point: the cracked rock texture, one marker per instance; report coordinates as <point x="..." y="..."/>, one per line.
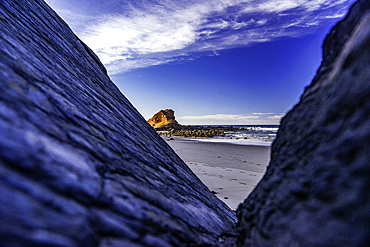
<point x="316" y="189"/>
<point x="79" y="166"/>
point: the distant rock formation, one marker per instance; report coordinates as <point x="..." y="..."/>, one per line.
<point x="79" y="166"/>
<point x="316" y="189"/>
<point x="164" y="119"/>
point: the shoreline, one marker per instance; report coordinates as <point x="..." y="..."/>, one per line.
<point x="246" y="132"/>
<point x="231" y="171"/>
<point x="236" y="141"/>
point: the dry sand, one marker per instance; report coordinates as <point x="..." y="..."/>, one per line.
<point x="231" y="171"/>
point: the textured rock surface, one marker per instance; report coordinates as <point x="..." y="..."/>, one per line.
<point x="316" y="189"/>
<point x="164" y="119"/>
<point x="78" y="165"/>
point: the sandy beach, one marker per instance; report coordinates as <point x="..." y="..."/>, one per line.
<point x="230" y="170"/>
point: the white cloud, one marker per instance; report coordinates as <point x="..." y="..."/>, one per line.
<point x="277" y="117"/>
<point x="278" y="6"/>
<point x="142" y="35"/>
<point x="261" y="22"/>
<point x="224" y="119"/>
<point x="335" y="16"/>
<point x="219" y="117"/>
<point x="271" y="6"/>
<point x="151" y="33"/>
<point x="262" y="113"/>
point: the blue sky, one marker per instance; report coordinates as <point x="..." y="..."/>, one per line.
<point x="212" y="61"/>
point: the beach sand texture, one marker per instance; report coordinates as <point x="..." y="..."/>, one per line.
<point x="231" y="171"/>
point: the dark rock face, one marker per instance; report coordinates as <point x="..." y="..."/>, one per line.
<point x="79" y="166"/>
<point x="316" y="188"/>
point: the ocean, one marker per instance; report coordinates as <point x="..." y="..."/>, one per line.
<point x="260" y="135"/>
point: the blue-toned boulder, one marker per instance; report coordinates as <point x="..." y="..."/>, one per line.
<point x="316" y="189"/>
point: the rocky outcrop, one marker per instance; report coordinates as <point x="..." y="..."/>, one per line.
<point x="316" y="189"/>
<point x="79" y="166"/>
<point x="164" y="119"/>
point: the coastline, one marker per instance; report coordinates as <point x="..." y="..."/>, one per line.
<point x="235" y="141"/>
<point x="229" y="170"/>
<point x="225" y="132"/>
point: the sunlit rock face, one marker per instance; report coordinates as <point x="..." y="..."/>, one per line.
<point x="316" y="188"/>
<point x="164" y="119"/>
<point x="79" y="166"/>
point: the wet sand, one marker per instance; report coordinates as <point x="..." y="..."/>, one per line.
<point x="231" y="171"/>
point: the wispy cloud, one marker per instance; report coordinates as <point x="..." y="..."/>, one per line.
<point x="223" y="119"/>
<point x="145" y="33"/>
